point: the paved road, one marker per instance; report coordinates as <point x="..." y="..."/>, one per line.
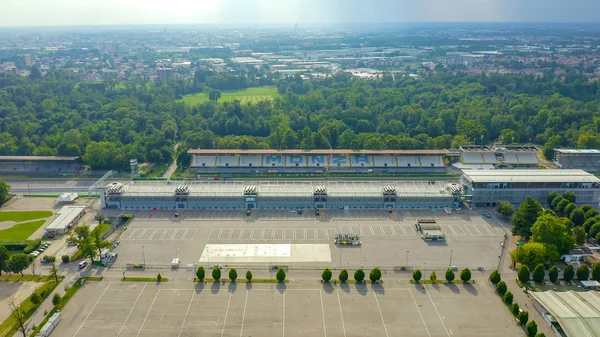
<point x="173" y="165"/>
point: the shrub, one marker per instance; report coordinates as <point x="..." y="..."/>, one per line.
<point x="596" y="271"/>
<point x="449" y="275"/>
<point x="33" y="245"/>
<point x="523" y="274"/>
<point x="249" y="276"/>
<point x="158" y="277"/>
<point x="465" y="275"/>
<point x="523" y="317"/>
<point x="280" y="275"/>
<point x="514" y="308"/>
<point x="501" y="288"/>
<point x="200" y="274"/>
<point x="432" y="276"/>
<point x="216" y="273"/>
<point x="531" y="329"/>
<point x="375" y="275"/>
<point x="326" y="275"/>
<point x="35" y="299"/>
<point x="49" y="258"/>
<point x="359" y="275"/>
<point x="583" y="272"/>
<point x="417" y="275"/>
<point x="508" y="298"/>
<point x="569" y="273"/>
<point x="233" y="274"/>
<point x="56" y="299"/>
<point x="495" y="277"/>
<point x="538" y="273"/>
<point x="553" y="274"/>
<point x="541" y="334"/>
<point x="343" y="276"/>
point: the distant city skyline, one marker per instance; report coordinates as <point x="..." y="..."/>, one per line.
<point x="143" y="12"/>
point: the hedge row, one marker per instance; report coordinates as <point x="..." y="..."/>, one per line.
<point x="27" y="246"/>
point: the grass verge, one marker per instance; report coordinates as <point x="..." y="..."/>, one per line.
<point x="21" y="231"/>
<point x="25" y="278"/>
<point x="243" y="280"/>
<point x="143" y="279"/>
<point x="24" y="216"/>
<point x="442" y="282"/>
<point x="63" y="302"/>
<point x="9" y="326"/>
<point x="93" y="278"/>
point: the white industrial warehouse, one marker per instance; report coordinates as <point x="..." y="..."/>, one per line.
<point x="66" y="218"/>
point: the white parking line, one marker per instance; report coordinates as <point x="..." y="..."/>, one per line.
<point x="244" y="314"/>
<point x="461" y="230"/>
<point x="151" y="236"/>
<point x="95" y="304"/>
<point x="230" y="234"/>
<point x="419" y="311"/>
<point x="186" y="314"/>
<point x="130" y="311"/>
<point x="193" y="236"/>
<point x="381" y="314"/>
<point x="184" y="234"/>
<point x="175" y="232"/>
<point x="226" y="312"/>
<point x="322" y="313"/>
<point x="438" y="313"/>
<point x="487" y="230"/>
<point x="341" y="314"/>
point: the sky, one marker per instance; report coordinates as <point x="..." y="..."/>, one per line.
<point x="137" y="12"/>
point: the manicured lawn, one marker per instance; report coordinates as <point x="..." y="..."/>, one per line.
<point x="103" y="228"/>
<point x="24" y="216"/>
<point x="20" y="231"/>
<point x="253" y="95"/>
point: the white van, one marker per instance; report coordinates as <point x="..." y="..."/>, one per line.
<point x="82" y="264"/>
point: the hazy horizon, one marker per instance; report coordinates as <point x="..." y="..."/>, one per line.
<point x="27" y="13"/>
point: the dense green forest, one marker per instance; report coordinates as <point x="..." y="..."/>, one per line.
<point x="110" y="122"/>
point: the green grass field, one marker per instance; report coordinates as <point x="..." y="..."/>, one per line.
<point x="24" y="216"/>
<point x="20" y="231"/>
<point x="252" y="95"/>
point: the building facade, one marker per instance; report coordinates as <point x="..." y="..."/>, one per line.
<point x="486" y="187"/>
<point x="279" y="195"/>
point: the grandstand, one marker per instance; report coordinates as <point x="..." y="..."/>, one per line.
<point x="39" y="165"/>
<point x="317" y="161"/>
<point x="476" y="157"/>
<point x="584" y="159"/>
<point x="280" y="195"/>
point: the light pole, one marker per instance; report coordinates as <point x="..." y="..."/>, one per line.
<point x="406" y="264"/>
<point x="144" y="257"/>
<point x="450" y="264"/>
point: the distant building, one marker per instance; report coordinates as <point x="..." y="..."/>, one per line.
<point x="28" y="60"/>
<point x="164" y="74"/>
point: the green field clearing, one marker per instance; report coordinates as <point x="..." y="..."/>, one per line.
<point x="24" y="216"/>
<point x="20" y="231"/>
<point x="252" y="95"/>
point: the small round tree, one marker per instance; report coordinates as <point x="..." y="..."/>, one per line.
<point x="553" y="274"/>
<point x="523" y="274"/>
<point x="216" y="273"/>
<point x="596" y="271"/>
<point x="326" y="275"/>
<point x="359" y="275"/>
<point x="65" y="258"/>
<point x="569" y="273"/>
<point x="495" y="277"/>
<point x="200" y="274"/>
<point x="56" y="299"/>
<point x="523" y="317"/>
<point x="233" y="274"/>
<point x="158" y="277"/>
<point x="501" y="288"/>
<point x="375" y="275"/>
<point x="541" y="334"/>
<point x="35" y="298"/>
<point x="514" y="308"/>
<point x="249" y="276"/>
<point x="508" y="298"/>
<point x="417" y="275"/>
<point x="531" y="329"/>
<point x="583" y="272"/>
<point x="280" y="275"/>
<point x="538" y="273"/>
<point x="449" y="275"/>
<point x="343" y="276"/>
<point x="465" y="275"/>
<point x="433" y="277"/>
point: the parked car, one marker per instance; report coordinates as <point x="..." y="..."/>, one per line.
<point x="48" y="236"/>
<point x="82" y="264"/>
<point x="42" y="249"/>
<point x="34" y="254"/>
<point x="177" y="214"/>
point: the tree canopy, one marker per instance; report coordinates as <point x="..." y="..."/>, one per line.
<point x="550" y="230"/>
<point x="525" y="217"/>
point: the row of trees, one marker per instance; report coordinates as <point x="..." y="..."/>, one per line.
<point x="233" y="275"/>
<point x="15" y="263"/>
<point x="507" y="297"/>
<point x="465" y="275"/>
<point x="583" y="273"/>
<point x="110" y="122"/>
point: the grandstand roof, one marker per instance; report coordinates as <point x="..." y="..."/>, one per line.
<point x="577" y="151"/>
<point x="531" y="175"/>
<point x="578" y="313"/>
<point x="314" y="152"/>
<point x="287" y="188"/>
<point x="37" y="158"/>
<point x="499" y="147"/>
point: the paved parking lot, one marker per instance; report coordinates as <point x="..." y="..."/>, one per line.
<point x="183" y="309"/>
